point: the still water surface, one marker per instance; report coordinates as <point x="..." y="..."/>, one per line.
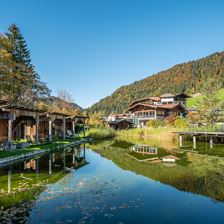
<point x="105" y="185"/>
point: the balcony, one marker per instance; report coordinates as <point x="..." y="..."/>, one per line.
<point x="148" y="117"/>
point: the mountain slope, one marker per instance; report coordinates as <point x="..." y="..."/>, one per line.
<point x="188" y="77"/>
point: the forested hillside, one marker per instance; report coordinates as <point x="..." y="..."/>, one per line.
<point x="190" y="77"/>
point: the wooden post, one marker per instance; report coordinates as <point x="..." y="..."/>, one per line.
<point x="25" y="131"/>
<point x="64" y="161"/>
<point x="84" y="153"/>
<point x="155" y="114"/>
<point x="64" y="128"/>
<point x="20" y="130"/>
<point x="194" y="142"/>
<point x="37" y="168"/>
<point x="50" y="130"/>
<point x="84" y="130"/>
<point x="73" y="156"/>
<point x="10" y="130"/>
<point x="50" y="164"/>
<point x="73" y="128"/>
<point x="9" y="179"/>
<point x="37" y="129"/>
<point x="211" y="143"/>
<point x="180" y="141"/>
<point x="53" y="157"/>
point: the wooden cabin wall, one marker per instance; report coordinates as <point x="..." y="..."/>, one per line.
<point x="32" y="130"/>
<point x="3" y="130"/>
<point x="43" y="129"/>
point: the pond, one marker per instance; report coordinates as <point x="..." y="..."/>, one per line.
<point x="114" y="181"/>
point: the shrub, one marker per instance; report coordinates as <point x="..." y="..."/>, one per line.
<point x="155" y="123"/>
<point x="170" y="121"/>
<point x="180" y="123"/>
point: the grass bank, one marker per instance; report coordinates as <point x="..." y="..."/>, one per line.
<point x="101" y="133"/>
<point x="34" y="147"/>
<point x="161" y="133"/>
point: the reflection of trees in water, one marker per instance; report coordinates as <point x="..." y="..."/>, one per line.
<point x="24" y="180"/>
<point x="159" y="142"/>
<point x="201" y="176"/>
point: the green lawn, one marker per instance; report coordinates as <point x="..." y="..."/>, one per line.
<point x="34" y="147"/>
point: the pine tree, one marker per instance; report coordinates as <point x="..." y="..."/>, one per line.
<point x="18" y="48"/>
<point x="28" y="88"/>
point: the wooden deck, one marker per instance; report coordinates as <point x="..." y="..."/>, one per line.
<point x="198" y="133"/>
<point x="195" y="134"/>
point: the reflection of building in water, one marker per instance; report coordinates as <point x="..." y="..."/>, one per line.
<point x="144" y="149"/>
<point x="71" y="158"/>
<point x="170" y="159"/>
<point x="30" y="165"/>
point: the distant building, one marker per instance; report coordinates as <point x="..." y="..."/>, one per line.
<point x="116" y="117"/>
<point x="122" y="124"/>
<point x="150" y="108"/>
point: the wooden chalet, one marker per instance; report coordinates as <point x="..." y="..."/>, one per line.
<point x="161" y="107"/>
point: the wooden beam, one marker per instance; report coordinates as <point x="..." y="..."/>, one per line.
<point x="37" y="129"/>
<point x="50" y="130"/>
<point x="73" y="128"/>
<point x="180" y="141"/>
<point x="64" y="128"/>
<point x="84" y="130"/>
<point x="9" y="179"/>
<point x="211" y="143"/>
<point x="10" y="129"/>
<point x="50" y="164"/>
<point x="194" y="142"/>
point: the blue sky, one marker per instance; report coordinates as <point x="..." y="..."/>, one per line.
<point x="92" y="47"/>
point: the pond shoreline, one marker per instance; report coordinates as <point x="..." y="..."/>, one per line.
<point x="7" y="160"/>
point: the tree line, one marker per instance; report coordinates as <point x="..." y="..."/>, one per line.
<point x="190" y="77"/>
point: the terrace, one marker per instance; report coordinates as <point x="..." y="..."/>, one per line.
<point x="24" y="129"/>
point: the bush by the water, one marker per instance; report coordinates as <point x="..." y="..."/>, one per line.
<point x="156" y="123"/>
<point x="101" y="133"/>
<point x="180" y="123"/>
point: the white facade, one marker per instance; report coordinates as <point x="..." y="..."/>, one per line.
<point x="166" y="100"/>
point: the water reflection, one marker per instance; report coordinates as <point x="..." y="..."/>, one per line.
<point x="144" y="149"/>
<point x="115" y="186"/>
<point x="184" y="170"/>
<point x="29" y="175"/>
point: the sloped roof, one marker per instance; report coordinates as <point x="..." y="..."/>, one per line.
<point x="162" y="106"/>
<point x="153" y="98"/>
<point x="7" y="105"/>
